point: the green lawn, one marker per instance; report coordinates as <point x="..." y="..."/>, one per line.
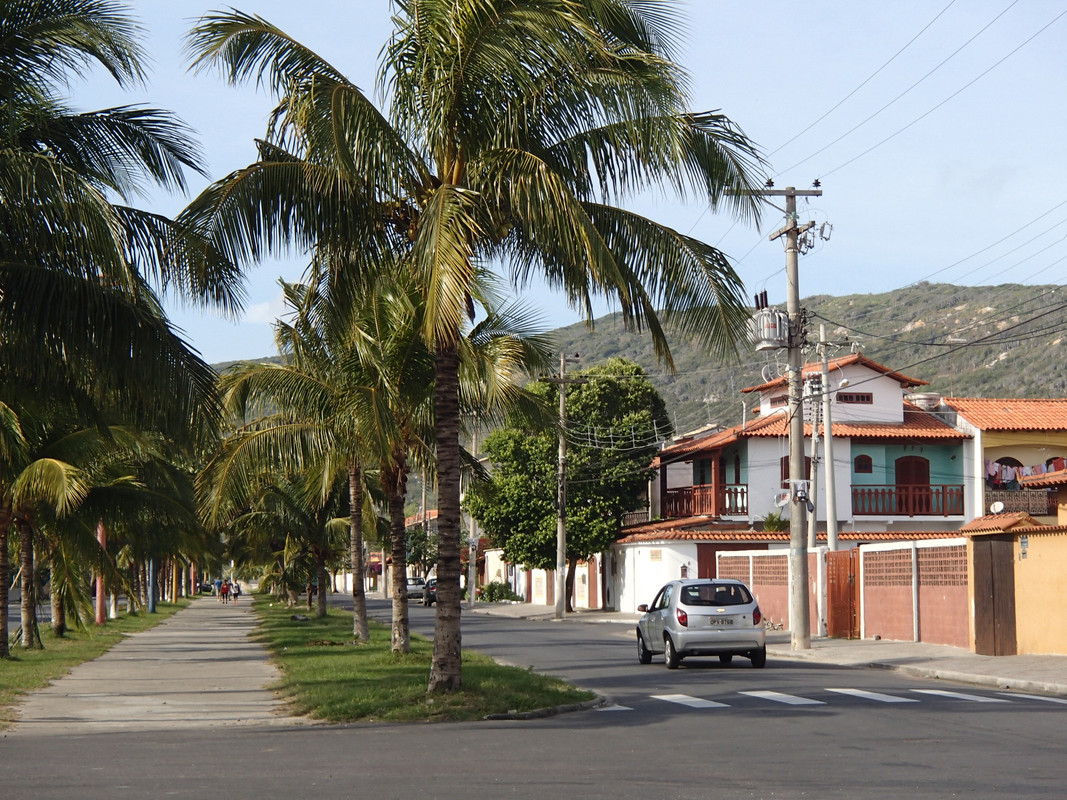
<point x="27" y="670"/>
<point x="328" y="676"/>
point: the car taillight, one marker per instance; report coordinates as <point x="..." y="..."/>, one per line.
<point x="683" y="618"/>
<point x="757" y="617"/>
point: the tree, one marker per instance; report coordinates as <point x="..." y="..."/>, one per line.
<point x="514" y="128"/>
<point x="615" y="422"/>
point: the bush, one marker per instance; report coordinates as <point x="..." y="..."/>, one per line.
<point x="497" y="591"/>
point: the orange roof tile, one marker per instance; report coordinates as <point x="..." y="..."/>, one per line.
<point x="677" y="533"/>
<point x="1045" y="481"/>
<point x="1017" y="414"/>
<point x="1016" y="522"/>
<point x="844" y="361"/>
<point x="917" y="425"/>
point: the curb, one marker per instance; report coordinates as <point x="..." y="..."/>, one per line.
<point x="541" y="713"/>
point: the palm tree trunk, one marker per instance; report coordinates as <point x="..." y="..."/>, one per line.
<point x="572" y="567"/>
<point x="395" y="480"/>
<point x="360" y="628"/>
<point x="446" y="666"/>
<point x="5" y="569"/>
<point x="59" y="614"/>
<point x="30" y="637"/>
<point x="322" y="575"/>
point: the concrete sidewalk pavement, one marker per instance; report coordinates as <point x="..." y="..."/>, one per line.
<point x="1042" y="674"/>
<point x="197" y="669"/>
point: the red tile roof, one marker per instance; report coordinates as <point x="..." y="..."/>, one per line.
<point x="681" y="533"/>
<point x="1045" y="481"/>
<point x="844" y="361"/>
<point x="1014" y="522"/>
<point x="1012" y="415"/>
<point x="917" y="425"/>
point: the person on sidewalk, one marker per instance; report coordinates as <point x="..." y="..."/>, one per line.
<point x="225" y="591"/>
<point x="235" y="590"/>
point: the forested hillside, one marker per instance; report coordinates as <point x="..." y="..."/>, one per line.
<point x="967" y="341"/>
<point x="986" y="341"/>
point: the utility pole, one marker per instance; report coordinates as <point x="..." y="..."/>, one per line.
<point x="799" y="611"/>
<point x="828" y="448"/>
<point x="561" y="484"/>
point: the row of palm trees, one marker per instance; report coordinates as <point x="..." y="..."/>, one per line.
<point x="505" y="135"/>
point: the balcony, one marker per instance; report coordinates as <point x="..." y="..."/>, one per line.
<point x="907" y="501"/>
<point x="1035" y="502"/>
<point x="689" y="501"/>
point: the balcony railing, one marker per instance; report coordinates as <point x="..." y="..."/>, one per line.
<point x="635" y="517"/>
<point x="688" y="501"/>
<point x="907" y="501"/>
<point x="1035" y="502"/>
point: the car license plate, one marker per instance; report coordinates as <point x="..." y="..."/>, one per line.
<point x="720" y="621"/>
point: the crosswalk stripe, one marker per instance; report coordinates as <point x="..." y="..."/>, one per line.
<point x="961" y="696"/>
<point x="876" y="696"/>
<point x="1045" y="698"/>
<point x="788" y="699"/>
<point x="614" y="707"/>
<point x="686" y="700"/>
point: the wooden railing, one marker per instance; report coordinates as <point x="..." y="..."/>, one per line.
<point x="689" y="501"/>
<point x="907" y="501"/>
<point x="1035" y="502"/>
<point x="635" y="517"/>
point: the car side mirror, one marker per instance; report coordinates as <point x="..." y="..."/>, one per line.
<point x="643" y="608"/>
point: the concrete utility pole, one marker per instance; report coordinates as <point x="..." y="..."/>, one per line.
<point x="799" y="611"/>
<point x="828" y="448"/>
<point x="561" y="484"/>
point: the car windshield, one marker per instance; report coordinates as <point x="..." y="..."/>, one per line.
<point x="707" y="594"/>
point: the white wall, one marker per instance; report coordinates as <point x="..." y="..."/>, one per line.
<point x="643" y="568"/>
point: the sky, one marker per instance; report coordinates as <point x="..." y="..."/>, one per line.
<point x="936" y="130"/>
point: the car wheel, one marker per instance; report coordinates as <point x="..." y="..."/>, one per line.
<point x="670" y="654"/>
<point x="644" y="655"/>
<point x="726" y="658"/>
<point x="759" y="657"/>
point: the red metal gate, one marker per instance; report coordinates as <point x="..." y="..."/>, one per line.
<point x="842" y="594"/>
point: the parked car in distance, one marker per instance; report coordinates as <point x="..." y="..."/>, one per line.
<point x="415" y="587"/>
<point x="429" y="592"/>
<point x="702" y="617"/>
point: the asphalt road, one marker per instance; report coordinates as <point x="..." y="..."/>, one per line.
<point x="730" y="738"/>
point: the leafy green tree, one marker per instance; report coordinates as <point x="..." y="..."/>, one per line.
<point x="515" y="128"/>
<point x="615" y="422"/>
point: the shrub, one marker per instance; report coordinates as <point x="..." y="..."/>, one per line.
<point x="497" y="591"/>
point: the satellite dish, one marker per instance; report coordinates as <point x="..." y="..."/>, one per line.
<point x="781" y="499"/>
<point x="996" y="508"/>
<point x="768" y="373"/>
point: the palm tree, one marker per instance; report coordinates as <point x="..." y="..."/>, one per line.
<point x="75" y="260"/>
<point x="515" y="128"/>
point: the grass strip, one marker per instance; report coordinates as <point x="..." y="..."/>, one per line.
<point x="328" y="676"/>
<point x="26" y="670"/>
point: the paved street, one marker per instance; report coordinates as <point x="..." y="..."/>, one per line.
<point x="799" y="728"/>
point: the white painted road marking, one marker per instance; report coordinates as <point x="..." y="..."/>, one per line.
<point x="1036" y="697"/>
<point x="686" y="700"/>
<point x="876" y="696"/>
<point x="788" y="699"/>
<point x="961" y="696"/>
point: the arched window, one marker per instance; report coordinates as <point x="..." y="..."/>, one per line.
<point x="863" y="465"/>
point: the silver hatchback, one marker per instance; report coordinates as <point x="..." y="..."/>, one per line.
<point x="702" y="617"/>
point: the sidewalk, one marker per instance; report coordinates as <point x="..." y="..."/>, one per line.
<point x="196" y="670"/>
<point x="1033" y="674"/>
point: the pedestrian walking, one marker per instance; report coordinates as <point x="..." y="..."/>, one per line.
<point x="218" y="589"/>
<point x="235" y="590"/>
<point x="226" y="591"/>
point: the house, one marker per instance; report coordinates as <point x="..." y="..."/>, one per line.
<point x="909" y="466"/>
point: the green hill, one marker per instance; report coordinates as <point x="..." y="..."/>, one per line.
<point x="984" y="341"/>
<point x="977" y="341"/>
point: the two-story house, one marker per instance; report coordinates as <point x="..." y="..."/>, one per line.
<point x="907" y="464"/>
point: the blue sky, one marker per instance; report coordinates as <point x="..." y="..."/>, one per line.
<point x="935" y="128"/>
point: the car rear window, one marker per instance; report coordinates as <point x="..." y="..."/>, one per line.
<point x="729" y="594"/>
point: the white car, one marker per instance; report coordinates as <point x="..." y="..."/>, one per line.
<point x="702" y="617"/>
<point x="415" y="587"/>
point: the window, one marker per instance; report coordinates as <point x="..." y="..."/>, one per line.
<point x="780" y="401"/>
<point x="856" y="398"/>
<point x="863" y="465"/>
<point x="785" y="470"/>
